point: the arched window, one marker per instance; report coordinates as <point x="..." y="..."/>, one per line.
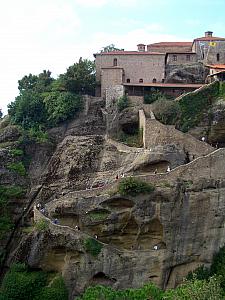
<point x="218" y="57"/>
<point x="140" y="80"/>
<point x="115" y="62"/>
<point x="128" y="80"/>
<point x="154" y="80"/>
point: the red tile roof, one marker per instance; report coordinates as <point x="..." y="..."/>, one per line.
<point x="129" y="53"/>
<point x="171" y="44"/>
<point x="172" y="85"/>
<point x="209" y="38"/>
<point x="216" y="66"/>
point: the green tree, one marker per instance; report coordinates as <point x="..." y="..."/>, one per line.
<point x="79" y="78"/>
<point x="38" y="83"/>
<point x="28" y="109"/>
<point x="61" y="106"/>
<point x="110" y="48"/>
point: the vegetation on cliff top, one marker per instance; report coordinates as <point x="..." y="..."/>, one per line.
<point x="188" y="112"/>
<point x="45" y="102"/>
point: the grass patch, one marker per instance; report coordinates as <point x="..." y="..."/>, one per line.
<point x="92" y="246"/>
<point x="134" y="140"/>
<point x="42" y="225"/>
<point x="16" y="152"/>
<point x="98" y="215"/>
<point x="17" y="167"/>
<point x="133" y="186"/>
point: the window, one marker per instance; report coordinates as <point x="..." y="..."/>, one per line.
<point x="174" y="57"/>
<point x="218" y="57"/>
<point x="154" y="80"/>
<point x="188" y="57"/>
<point x="128" y="80"/>
<point x="163" y="80"/>
<point x="115" y="62"/>
<point x="140" y="80"/>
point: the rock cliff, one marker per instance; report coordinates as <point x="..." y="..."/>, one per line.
<point x="159" y="236"/>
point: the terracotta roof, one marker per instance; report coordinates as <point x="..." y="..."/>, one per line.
<point x="171" y="44"/>
<point x="209" y="38"/>
<point x="129" y="53"/>
<point x="181" y="52"/>
<point x="216" y="66"/>
<point x="172" y="85"/>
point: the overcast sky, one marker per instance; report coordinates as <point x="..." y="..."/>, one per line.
<point x="53" y="34"/>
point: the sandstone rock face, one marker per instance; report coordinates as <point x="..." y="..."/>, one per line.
<point x="157" y="237"/>
<point x="194" y="73"/>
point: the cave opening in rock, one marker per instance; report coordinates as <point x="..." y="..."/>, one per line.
<point x="130" y="128"/>
<point x="153" y="167"/>
<point x="118" y="203"/>
<point x="101" y="279"/>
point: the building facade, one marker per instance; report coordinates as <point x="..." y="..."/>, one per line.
<point x="147" y="66"/>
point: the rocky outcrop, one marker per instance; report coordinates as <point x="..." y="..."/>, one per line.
<point x="159" y="236"/>
<point x="193" y="73"/>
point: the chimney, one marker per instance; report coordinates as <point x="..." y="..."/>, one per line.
<point x="141" y="47"/>
<point x="208" y="34"/>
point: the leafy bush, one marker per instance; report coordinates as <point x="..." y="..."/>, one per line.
<point x="16" y="152"/>
<point x="10" y="192"/>
<point x="194" y="105"/>
<point x="18" y="167"/>
<point x="55" y="291"/>
<point x="5" y="225"/>
<point x="196" y="289"/>
<point x="166" y="111"/>
<point x="92" y="246"/>
<point x="200" y="273"/>
<point x="62" y="106"/>
<point x="149" y="291"/>
<point x="122" y="102"/>
<point x="6" y="193"/>
<point x="218" y="266"/>
<point x="154" y="96"/>
<point x="132" y="186"/>
<point x="42" y="225"/>
<point x="21" y="283"/>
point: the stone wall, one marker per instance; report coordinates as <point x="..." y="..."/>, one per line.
<point x="112" y="94"/>
<point x="158" y="47"/>
<point x="210" y="52"/>
<point x="136" y="66"/>
<point x="181" y="58"/>
<point x="156" y="133"/>
<point x="110" y="77"/>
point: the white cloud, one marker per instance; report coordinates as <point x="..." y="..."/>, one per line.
<point x="147" y="34"/>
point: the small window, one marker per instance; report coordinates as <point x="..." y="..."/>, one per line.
<point x="188" y="57"/>
<point x="174" y="57"/>
<point x="140" y="80"/>
<point x="163" y="80"/>
<point x="128" y="80"/>
<point x="115" y="62"/>
<point x="154" y="80"/>
<point x="218" y="57"/>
